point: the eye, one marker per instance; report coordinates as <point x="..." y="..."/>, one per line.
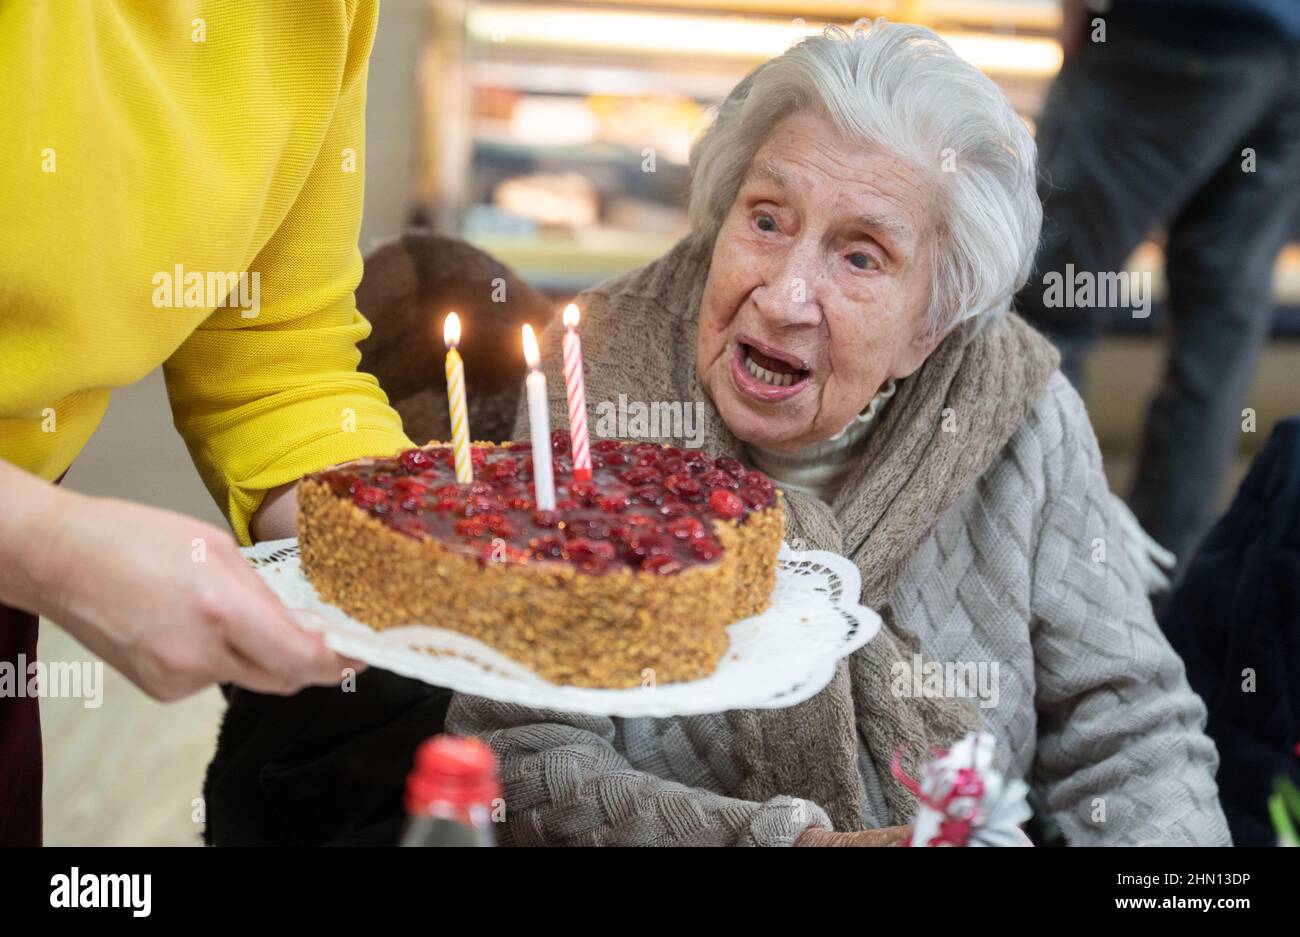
<point x="765" y="222"/>
<point x="862" y="261"/>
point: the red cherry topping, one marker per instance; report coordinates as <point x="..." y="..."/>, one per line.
<point x="369" y="497"/>
<point x="725" y="504"/>
<point x="682" y="485"/>
<point x="706" y="548"/>
<point x="595" y="528"/>
<point x="407" y="524"/>
<point x="733" y="467"/>
<point x="586" y="549"/>
<point x="505" y="468"/>
<point x="415" y="460"/>
<point x="340" y="482"/>
<point x="410" y="485"/>
<point x="697" y="461"/>
<point x="641" y="546"/>
<point x="498" y="552"/>
<point x="649" y="494"/>
<point x="687" y="528"/>
<point x="642" y="508"/>
<point x="642" y="475"/>
<point x="716" y="478"/>
<point x="612" y="504"/>
<point x="549" y="547"/>
<point x="663" y="565"/>
<point x="470" y="526"/>
<point x="671" y="507"/>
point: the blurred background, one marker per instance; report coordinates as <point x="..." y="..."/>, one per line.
<point x="554" y="135"/>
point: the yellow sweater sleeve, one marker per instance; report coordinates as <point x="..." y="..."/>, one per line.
<point x="264" y="398"/>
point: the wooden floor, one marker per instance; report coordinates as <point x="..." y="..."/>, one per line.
<point x="128" y="772"/>
<point x="131" y="770"/>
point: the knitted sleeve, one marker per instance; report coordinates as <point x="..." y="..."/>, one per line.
<point x="1122" y="756"/>
<point x="567" y="784"/>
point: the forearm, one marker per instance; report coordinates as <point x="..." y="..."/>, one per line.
<point x="1140" y="776"/>
<point x="1122" y="755"/>
<point x="566" y="785"/>
<point x="33" y="509"/>
<point x="277" y="517"/>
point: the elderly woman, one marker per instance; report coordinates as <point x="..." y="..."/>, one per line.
<point x="863" y="209"/>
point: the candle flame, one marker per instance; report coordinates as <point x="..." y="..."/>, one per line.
<point x="451" y="330"/>
<point x="571" y="316"/>
<point x="532" y="354"/>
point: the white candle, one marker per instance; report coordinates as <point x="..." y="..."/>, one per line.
<point x="539" y="424"/>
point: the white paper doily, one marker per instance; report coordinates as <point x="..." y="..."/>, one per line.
<point x="776" y="659"/>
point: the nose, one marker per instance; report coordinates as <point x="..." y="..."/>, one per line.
<point x="788" y="296"/>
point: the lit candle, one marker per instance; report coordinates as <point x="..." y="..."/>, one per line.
<point x="456" y="401"/>
<point x="539" y="424"/>
<point x="573" y="385"/>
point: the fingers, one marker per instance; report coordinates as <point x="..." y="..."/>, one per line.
<point x="249" y="674"/>
<point x="888" y="836"/>
<point x="315" y="624"/>
<point x="285" y="646"/>
<point x="275" y="646"/>
<point x="262" y="632"/>
<point x="242" y="672"/>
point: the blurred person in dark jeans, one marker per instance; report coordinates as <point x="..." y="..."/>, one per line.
<point x="1187" y="115"/>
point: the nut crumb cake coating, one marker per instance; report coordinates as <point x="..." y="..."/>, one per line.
<point x="633" y="578"/>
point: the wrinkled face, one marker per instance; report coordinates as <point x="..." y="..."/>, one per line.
<point x="819" y="287"/>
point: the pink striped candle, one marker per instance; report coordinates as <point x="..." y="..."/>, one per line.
<point x="577" y="396"/>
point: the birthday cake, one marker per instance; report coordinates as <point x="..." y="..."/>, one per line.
<point x="631" y="580"/>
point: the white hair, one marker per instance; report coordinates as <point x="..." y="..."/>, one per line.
<point x="902" y="89"/>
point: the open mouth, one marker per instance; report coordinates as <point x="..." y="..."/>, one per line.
<point x="767" y="367"/>
<point x="766" y="374"/>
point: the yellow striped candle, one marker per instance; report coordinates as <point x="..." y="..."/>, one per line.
<point x="456" y="401"/>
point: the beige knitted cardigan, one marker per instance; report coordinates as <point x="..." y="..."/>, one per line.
<point x="945" y="426"/>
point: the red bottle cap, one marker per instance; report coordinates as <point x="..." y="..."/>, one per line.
<point x="458" y="772"/>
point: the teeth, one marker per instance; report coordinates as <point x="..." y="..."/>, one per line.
<point x="766" y="376"/>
